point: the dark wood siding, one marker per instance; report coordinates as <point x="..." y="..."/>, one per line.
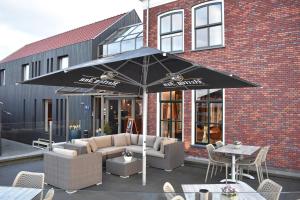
<point x="15" y="97"/>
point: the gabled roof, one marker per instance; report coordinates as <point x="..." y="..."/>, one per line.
<point x="74" y="36"/>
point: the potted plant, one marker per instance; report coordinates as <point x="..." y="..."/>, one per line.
<point x="107" y="129"/>
<point x="74" y="131"/>
<point x="127" y="155"/>
<point x="229" y="192"/>
<point x="237" y="144"/>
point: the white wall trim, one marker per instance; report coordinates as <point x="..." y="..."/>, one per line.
<point x="223" y="124"/>
<point x="157" y="114"/>
<point x="193" y="119"/>
<point x="158" y="26"/>
<point x="193" y="21"/>
<point x="182" y="117"/>
<point x="154" y="3"/>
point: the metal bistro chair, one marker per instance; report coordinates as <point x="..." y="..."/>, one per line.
<point x="248" y="162"/>
<point x="215" y="160"/>
<point x="49" y="195"/>
<point x="170" y="192"/>
<point x="269" y="189"/>
<point x="30" y="180"/>
<point x="264" y="160"/>
<point x="219" y="144"/>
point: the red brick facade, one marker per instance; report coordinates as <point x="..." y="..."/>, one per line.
<point x="262" y="46"/>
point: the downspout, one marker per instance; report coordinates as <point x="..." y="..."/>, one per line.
<point x="147" y="33"/>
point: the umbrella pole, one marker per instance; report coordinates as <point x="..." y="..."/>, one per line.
<point x="145" y="113"/>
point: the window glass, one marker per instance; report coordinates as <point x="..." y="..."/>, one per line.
<point x="25" y="71"/>
<point x="113" y="48"/>
<point x="177" y="43"/>
<point x="201" y="16"/>
<point x="166" y="44"/>
<point x="128" y="45"/>
<point x="202" y="37"/>
<point x="131" y="36"/>
<point x="177" y="22"/>
<point x="2" y="77"/>
<point x="171" y="114"/>
<point x="165" y="24"/>
<point x="63" y="62"/>
<point x="138" y="29"/>
<point x="208" y="26"/>
<point x="104" y="50"/>
<point x="215" y="35"/>
<point x="129" y="31"/>
<point x="215" y="15"/>
<point x="124" y="39"/>
<point x="139" y="43"/>
<point x="209" y="116"/>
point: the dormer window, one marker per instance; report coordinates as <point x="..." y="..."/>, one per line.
<point x="125" y="39"/>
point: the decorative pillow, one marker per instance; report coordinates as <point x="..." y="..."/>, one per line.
<point x="85" y="143"/>
<point x="93" y="144"/>
<point x="66" y="152"/>
<point x="164" y="142"/>
<point x="120" y="140"/>
<point x="150" y="139"/>
<point x="103" y="141"/>
<point x="134" y="139"/>
<point x="156" y="145"/>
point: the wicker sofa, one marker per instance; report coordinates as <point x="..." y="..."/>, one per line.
<point x="71" y="172"/>
<point x="163" y="153"/>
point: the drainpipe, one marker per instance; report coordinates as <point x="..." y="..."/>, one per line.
<point x="147" y="34"/>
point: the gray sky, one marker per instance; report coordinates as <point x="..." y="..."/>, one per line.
<point x="26" y="21"/>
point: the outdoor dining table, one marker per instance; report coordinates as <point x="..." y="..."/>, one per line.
<point x="18" y="193"/>
<point x="244" y="191"/>
<point x="243" y="150"/>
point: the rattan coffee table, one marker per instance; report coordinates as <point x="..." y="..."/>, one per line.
<point x="120" y="167"/>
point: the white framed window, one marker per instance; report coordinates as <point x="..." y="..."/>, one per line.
<point x="171" y="31"/>
<point x="63" y="62"/>
<point x="208" y="116"/>
<point x="208" y="25"/>
<point x="2" y="77"/>
<point x="25" y="72"/>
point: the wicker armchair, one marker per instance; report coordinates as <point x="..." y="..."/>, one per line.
<point x="49" y="195"/>
<point x="169" y="191"/>
<point x="30" y="180"/>
<point x="269" y="189"/>
<point x="215" y="160"/>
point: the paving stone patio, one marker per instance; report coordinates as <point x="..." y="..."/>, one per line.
<point x="116" y="188"/>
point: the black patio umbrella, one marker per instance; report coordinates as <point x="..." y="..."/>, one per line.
<point x="142" y="71"/>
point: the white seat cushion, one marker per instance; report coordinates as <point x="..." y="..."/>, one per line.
<point x="135" y="148"/>
<point x="110" y="150"/>
<point x="66" y="152"/>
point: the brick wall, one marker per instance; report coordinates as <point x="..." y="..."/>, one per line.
<point x="262" y="46"/>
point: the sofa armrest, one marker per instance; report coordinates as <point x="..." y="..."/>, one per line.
<point x="174" y="152"/>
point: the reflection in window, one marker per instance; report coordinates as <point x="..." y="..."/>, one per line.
<point x="209" y="116"/>
<point x="171" y="31"/>
<point x="208" y="26"/>
<point x="125" y="39"/>
<point x="171" y="114"/>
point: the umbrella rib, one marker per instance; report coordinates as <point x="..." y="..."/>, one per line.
<point x="163" y="60"/>
<point x="161" y="63"/>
